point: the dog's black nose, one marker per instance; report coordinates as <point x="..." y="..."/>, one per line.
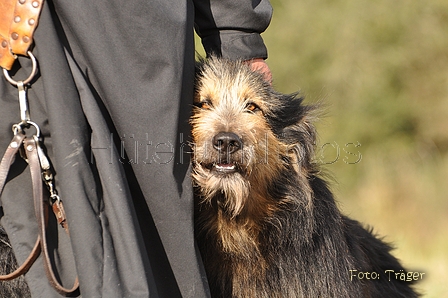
<point x="227" y="142"/>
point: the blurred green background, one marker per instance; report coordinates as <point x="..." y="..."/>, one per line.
<point x="381" y="70"/>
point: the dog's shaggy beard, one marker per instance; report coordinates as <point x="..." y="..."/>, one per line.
<point x="230" y="191"/>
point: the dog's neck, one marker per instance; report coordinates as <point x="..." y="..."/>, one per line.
<point x="239" y="235"/>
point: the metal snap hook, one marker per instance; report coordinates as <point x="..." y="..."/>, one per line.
<point x="30" y="77"/>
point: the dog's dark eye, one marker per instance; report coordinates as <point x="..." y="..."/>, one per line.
<point x="251" y="107"/>
<point x="205" y="105"/>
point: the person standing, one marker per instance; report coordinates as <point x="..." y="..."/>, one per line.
<point x="113" y="97"/>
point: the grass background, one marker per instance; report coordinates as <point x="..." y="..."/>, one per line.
<point x="381" y="68"/>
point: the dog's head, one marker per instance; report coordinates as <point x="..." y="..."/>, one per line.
<point x="245" y="134"/>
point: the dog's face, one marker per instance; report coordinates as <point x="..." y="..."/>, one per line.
<point x="240" y="142"/>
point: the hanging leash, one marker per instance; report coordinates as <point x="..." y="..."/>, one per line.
<point x="17" y="40"/>
<point x="31" y="149"/>
<point x="5" y="164"/>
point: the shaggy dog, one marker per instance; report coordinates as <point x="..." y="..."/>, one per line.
<point x="266" y="222"/>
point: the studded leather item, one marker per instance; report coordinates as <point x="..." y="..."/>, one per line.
<point x="18" y="20"/>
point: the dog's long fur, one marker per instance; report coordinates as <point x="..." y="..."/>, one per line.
<point x="266" y="222"/>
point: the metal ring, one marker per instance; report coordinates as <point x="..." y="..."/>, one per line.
<point x="31" y="76"/>
<point x="21" y="125"/>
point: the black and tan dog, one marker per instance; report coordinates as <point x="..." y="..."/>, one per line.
<point x="266" y="222"/>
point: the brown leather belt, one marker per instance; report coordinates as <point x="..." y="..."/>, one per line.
<point x="18" y="20"/>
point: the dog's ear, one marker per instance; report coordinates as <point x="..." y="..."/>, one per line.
<point x="292" y="122"/>
<point x="290" y="119"/>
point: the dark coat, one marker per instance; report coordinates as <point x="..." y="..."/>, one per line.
<point x="113" y="98"/>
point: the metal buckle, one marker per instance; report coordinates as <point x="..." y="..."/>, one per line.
<point x="30" y="77"/>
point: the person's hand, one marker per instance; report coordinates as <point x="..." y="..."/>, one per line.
<point x="258" y="64"/>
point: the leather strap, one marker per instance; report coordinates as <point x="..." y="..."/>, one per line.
<point x="23" y="269"/>
<point x="18" y="20"/>
<point x="7" y="160"/>
<point x="9" y="157"/>
<point x="41" y="210"/>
